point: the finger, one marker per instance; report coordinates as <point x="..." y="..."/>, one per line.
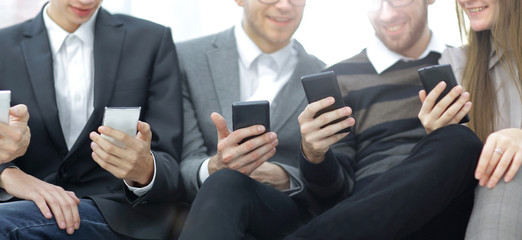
<point x="221" y="125"/>
<point x="248" y="146"/>
<point x="107" y="146"/>
<point x="104" y="160"/>
<point x="144" y="132"/>
<point x="19" y="113"/>
<point x="485" y="156"/>
<point x="238" y="135"/>
<point x="54" y="204"/>
<point x="450" y="115"/>
<point x="492" y="165"/>
<point x="70" y="210"/>
<point x="117" y="134"/>
<point x="513" y="169"/>
<point x="44" y="209"/>
<point x="422" y="95"/>
<point x="463" y="111"/>
<point x="501" y="168"/>
<point x="329" y="130"/>
<point x="434" y="94"/>
<point x="312" y="108"/>
<point x="441" y="107"/>
<point x="249" y="168"/>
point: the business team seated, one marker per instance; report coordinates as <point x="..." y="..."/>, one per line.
<point x="386" y="179"/>
<point x="59" y="178"/>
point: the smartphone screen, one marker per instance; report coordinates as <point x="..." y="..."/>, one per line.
<point x="124" y="119"/>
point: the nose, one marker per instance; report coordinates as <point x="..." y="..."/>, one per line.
<point x="387" y="12"/>
<point x="284" y="5"/>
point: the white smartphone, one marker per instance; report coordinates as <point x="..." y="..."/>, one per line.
<point x="124" y="119"/>
<point x="5" y="104"/>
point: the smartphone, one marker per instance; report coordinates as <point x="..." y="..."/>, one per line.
<point x="321" y="85"/>
<point x="433" y="75"/>
<point x="246" y="114"/>
<point x="124" y="119"/>
<point x="5" y="104"/>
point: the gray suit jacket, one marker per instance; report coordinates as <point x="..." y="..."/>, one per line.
<point x="210" y="83"/>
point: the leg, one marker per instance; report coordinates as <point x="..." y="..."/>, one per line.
<point x="23" y="220"/>
<point x="497" y="213"/>
<point x="406" y="197"/>
<point x="231" y="205"/>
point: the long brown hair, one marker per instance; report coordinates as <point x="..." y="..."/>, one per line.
<point x="505" y="37"/>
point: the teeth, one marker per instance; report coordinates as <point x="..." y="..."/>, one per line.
<point x="281" y="19"/>
<point x="394" y="28"/>
<point x="476" y="10"/>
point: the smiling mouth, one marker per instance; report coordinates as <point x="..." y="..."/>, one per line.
<point x="477" y="10"/>
<point x="394" y="28"/>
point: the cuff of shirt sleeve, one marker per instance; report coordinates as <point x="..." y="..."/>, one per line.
<point x="143" y="190"/>
<point x="324" y="173"/>
<point x="203" y="171"/>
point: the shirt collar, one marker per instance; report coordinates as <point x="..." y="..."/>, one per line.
<point x="57" y="34"/>
<point x="383" y="58"/>
<point x="249" y="51"/>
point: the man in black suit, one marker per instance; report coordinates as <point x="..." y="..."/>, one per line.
<point x="61" y="177"/>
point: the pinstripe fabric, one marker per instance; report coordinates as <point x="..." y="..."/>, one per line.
<point x="497" y="213"/>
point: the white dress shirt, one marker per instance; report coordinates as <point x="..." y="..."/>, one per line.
<point x="383" y="58"/>
<point x="261" y="75"/>
<point x="73" y="67"/>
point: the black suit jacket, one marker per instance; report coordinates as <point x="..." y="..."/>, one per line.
<point x="135" y="64"/>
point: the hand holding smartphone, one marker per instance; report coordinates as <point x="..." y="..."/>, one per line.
<point x="246" y="114"/>
<point x="321" y="85"/>
<point x="432" y="75"/>
<point x="124" y="119"/>
<point x="5" y="104"/>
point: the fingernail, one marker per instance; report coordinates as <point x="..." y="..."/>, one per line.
<point x="442" y="84"/>
<point x="274" y="143"/>
<point x="76" y="225"/>
<point x="62" y="225"/>
<point x="273" y="136"/>
<point x="346" y="110"/>
<point x="70" y="231"/>
<point x="260" y="129"/>
<point x="48" y="215"/>
<point x="465" y="94"/>
<point x="491" y="184"/>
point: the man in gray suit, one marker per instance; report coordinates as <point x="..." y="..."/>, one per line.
<point x="257" y="59"/>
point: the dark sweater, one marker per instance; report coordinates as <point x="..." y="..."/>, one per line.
<point x="385" y="107"/>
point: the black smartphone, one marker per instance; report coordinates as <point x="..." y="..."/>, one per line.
<point x="321" y="85"/>
<point x="433" y="75"/>
<point x="246" y="114"/>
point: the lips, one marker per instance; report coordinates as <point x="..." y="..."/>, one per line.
<point x="82" y="12"/>
<point x="476" y="10"/>
<point x="281" y="20"/>
<point x="394" y="28"/>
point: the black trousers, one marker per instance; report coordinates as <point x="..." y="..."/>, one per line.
<point x="428" y="196"/>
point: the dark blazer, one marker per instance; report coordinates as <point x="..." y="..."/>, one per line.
<point x="135" y="65"/>
<point x="210" y="71"/>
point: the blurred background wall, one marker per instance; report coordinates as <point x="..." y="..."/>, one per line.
<point x="332" y="30"/>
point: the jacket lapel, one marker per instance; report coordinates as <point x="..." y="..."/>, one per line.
<point x="291" y="98"/>
<point x="225" y="72"/>
<point x="108" y="42"/>
<point x="39" y="60"/>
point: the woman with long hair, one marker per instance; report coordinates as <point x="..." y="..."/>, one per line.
<point x="488" y="68"/>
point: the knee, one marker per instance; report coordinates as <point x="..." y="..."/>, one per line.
<point x="227" y="181"/>
<point x="460" y="145"/>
